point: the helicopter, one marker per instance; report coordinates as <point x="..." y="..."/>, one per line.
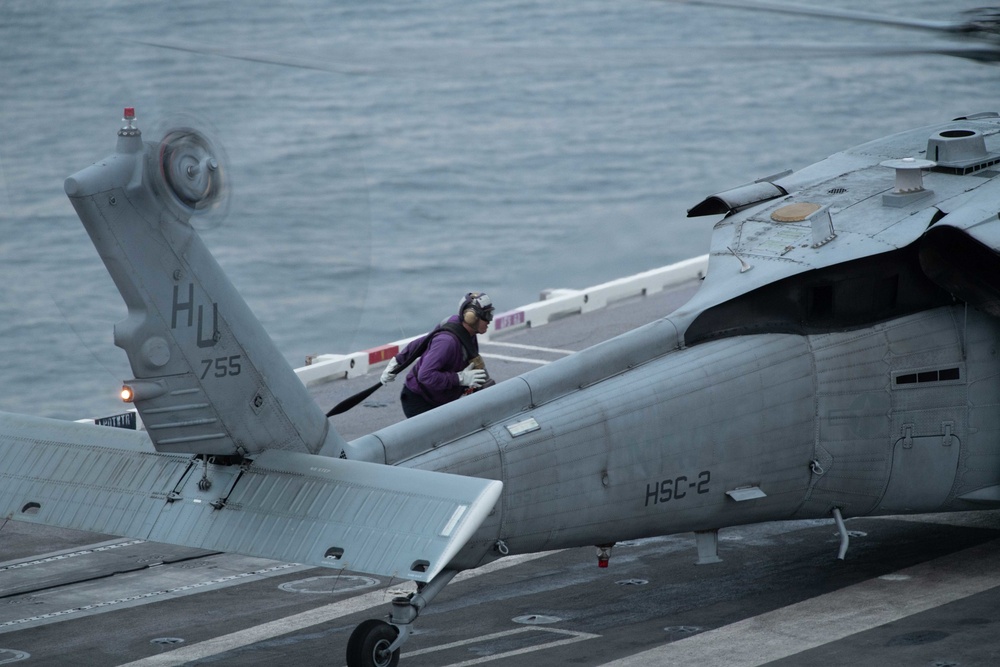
<point x="201" y="312"/>
<point x="838" y="361"/>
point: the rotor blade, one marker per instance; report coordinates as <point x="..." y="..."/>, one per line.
<point x="843" y="14"/>
<point x="979" y="55"/>
<point x="351" y="401"/>
<point x="812" y="50"/>
<point x="254" y="58"/>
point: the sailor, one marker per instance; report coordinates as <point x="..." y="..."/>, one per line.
<point x="449" y="364"/>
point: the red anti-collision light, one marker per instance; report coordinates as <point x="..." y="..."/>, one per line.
<point x="129" y="112"/>
<point x="604" y="554"/>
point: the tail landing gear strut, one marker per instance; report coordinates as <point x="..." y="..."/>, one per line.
<point x="376" y="643"/>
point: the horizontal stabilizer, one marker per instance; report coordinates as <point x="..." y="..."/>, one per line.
<point x="82" y="476"/>
<point x="293" y="507"/>
<point x="368" y="517"/>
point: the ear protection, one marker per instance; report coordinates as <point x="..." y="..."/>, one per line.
<point x="476" y="306"/>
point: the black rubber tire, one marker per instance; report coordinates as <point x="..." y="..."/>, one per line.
<point x="366" y="647"/>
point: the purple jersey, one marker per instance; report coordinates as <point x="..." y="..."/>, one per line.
<point x="435" y="374"/>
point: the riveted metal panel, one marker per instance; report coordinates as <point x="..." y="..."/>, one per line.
<point x="291" y="507"/>
<point x="82" y="476"/>
<point x="706" y="419"/>
<point x="336" y="513"/>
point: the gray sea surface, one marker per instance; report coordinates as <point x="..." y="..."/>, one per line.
<point x="384" y="158"/>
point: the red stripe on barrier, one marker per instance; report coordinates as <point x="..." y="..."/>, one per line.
<point x="382" y="353"/>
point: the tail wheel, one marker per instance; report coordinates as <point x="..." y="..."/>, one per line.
<point x="369" y="645"/>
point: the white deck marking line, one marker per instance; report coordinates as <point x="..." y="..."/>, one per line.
<point x="146" y="597"/>
<point x="70" y="553"/>
<point x="522" y="346"/>
<point x="831" y="617"/>
<point x="572" y="638"/>
<point x="282" y="626"/>
<point x="522" y="360"/>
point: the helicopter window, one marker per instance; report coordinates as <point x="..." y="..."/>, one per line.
<point x="835" y="298"/>
<point x="923" y="377"/>
<point x="948" y="374"/>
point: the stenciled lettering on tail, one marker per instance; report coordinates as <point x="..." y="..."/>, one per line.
<point x="203" y="340"/>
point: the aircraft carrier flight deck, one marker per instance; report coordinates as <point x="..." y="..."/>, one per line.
<point x="920" y="590"/>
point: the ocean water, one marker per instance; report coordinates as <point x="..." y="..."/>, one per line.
<point x="404" y="153"/>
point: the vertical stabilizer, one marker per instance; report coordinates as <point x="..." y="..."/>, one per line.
<point x="208" y="378"/>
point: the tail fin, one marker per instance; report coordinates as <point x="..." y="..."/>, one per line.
<point x="208" y="378"/>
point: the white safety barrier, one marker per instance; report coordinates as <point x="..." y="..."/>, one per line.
<point x="560" y="303"/>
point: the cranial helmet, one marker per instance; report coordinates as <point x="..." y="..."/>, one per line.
<point x="476" y="306"/>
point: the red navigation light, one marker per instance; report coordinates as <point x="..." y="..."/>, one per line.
<point x="604" y="554"/>
<point x="128" y="128"/>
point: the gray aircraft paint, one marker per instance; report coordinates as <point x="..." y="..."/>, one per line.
<point x="838" y="359"/>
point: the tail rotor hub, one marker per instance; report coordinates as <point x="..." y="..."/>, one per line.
<point x="191" y="168"/>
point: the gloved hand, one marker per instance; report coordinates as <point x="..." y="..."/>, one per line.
<point x="389" y="374"/>
<point x="472" y="377"/>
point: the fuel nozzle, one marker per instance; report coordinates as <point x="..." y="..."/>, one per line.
<point x="604" y="554"/>
<point x="478" y="363"/>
